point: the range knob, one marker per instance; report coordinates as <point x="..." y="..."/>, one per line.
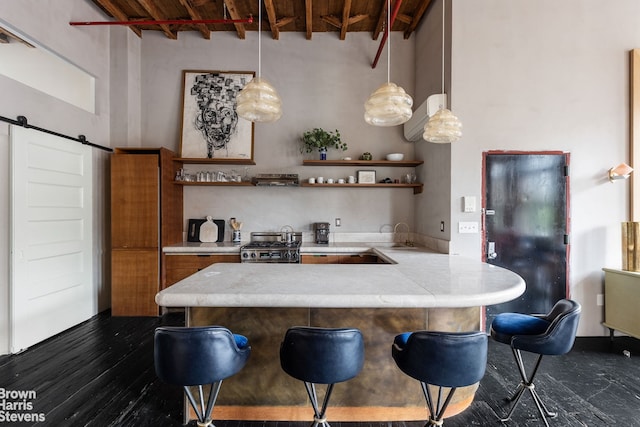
<point x="253" y="254"/>
<point x="245" y="255"/>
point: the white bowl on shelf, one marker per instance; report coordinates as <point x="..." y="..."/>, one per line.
<point x="396" y="157"/>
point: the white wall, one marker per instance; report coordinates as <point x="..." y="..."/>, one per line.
<point x="549" y="75"/>
<point x="125" y="87"/>
<point x="47" y="22"/>
<point x="433" y="206"/>
<point x="323" y="83"/>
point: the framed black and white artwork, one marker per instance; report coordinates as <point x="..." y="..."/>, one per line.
<point x="211" y="127"/>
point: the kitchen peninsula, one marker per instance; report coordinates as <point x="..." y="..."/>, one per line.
<point x="416" y="290"/>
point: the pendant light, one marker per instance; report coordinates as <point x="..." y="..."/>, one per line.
<point x="443" y="127"/>
<point x="389" y="105"/>
<point x="258" y="101"/>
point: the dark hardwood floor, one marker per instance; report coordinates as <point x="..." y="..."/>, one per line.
<point x="100" y="373"/>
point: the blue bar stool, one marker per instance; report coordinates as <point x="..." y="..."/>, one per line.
<point x="194" y="356"/>
<point x="441" y="359"/>
<point x="542" y="334"/>
<point x="322" y="356"/>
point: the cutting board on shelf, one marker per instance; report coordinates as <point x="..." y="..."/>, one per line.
<point x="195" y="231"/>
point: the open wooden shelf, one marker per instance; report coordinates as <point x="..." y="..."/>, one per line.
<point x="219" y="184"/>
<point x="403" y="163"/>
<point x="215" y="161"/>
<point x="417" y="187"/>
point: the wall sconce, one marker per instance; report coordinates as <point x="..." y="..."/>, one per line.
<point x="622" y="171"/>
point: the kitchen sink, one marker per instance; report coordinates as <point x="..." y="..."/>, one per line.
<point x="345" y="258"/>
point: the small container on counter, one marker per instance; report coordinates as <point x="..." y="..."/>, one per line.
<point x="235" y="234"/>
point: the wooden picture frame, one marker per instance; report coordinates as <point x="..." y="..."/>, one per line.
<point x="211" y="127"/>
<point x="366" y="177"/>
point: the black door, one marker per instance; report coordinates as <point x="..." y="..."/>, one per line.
<point x="526" y="225"/>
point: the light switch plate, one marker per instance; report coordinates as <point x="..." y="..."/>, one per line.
<point x="468" y="227"/>
<point x="469" y="203"/>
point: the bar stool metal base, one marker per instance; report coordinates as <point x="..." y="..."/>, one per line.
<point x="437" y="408"/>
<point x="319" y="418"/>
<point x="526" y="383"/>
<point x="203" y="413"/>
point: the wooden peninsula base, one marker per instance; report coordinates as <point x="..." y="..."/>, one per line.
<point x="263" y="391"/>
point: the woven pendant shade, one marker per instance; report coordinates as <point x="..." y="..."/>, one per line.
<point x="258" y="101"/>
<point x="389" y="105"/>
<point x="442" y="128"/>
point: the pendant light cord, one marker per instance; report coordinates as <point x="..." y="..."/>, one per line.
<point x="259" y="38"/>
<point x="389" y="39"/>
<point x="443" y="7"/>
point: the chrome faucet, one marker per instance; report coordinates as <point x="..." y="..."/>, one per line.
<point x="287" y="233"/>
<point x="407" y="241"/>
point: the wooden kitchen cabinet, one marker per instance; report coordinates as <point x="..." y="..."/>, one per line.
<point x="621" y="301"/>
<point x="134" y="282"/>
<point x="319" y="259"/>
<point x="178" y="267"/>
<point x="146" y="214"/>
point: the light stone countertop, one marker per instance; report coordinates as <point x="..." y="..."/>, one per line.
<point x="418" y="278"/>
<point x="202" y="248"/>
<point x="187" y="248"/>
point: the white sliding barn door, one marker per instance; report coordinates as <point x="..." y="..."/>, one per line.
<point x="51" y="236"/>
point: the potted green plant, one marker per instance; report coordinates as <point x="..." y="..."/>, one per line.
<point x="320" y="140"/>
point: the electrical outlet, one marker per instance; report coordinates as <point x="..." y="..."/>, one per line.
<point x="338" y="222"/>
<point x="599" y="299"/>
<point x="442" y="226"/>
<point x="467" y="227"/>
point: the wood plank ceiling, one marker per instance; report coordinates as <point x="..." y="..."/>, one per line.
<point x="304" y="16"/>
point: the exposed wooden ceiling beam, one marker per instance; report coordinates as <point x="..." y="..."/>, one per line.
<point x="357" y="18"/>
<point x="197" y="15"/>
<point x="274" y="22"/>
<point x="117" y="13"/>
<point x="346" y="20"/>
<point x="332" y="20"/>
<point x="391" y="19"/>
<point x="271" y="15"/>
<point x="403" y="18"/>
<point x="233" y="12"/>
<point x="308" y="11"/>
<point x="382" y="21"/>
<point x="336" y="22"/>
<point x="194" y="14"/>
<point x="155" y="13"/>
<point x="285" y="21"/>
<point x="417" y="17"/>
<point x="346" y="11"/>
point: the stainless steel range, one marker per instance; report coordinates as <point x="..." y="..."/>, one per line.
<point x="272" y="247"/>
